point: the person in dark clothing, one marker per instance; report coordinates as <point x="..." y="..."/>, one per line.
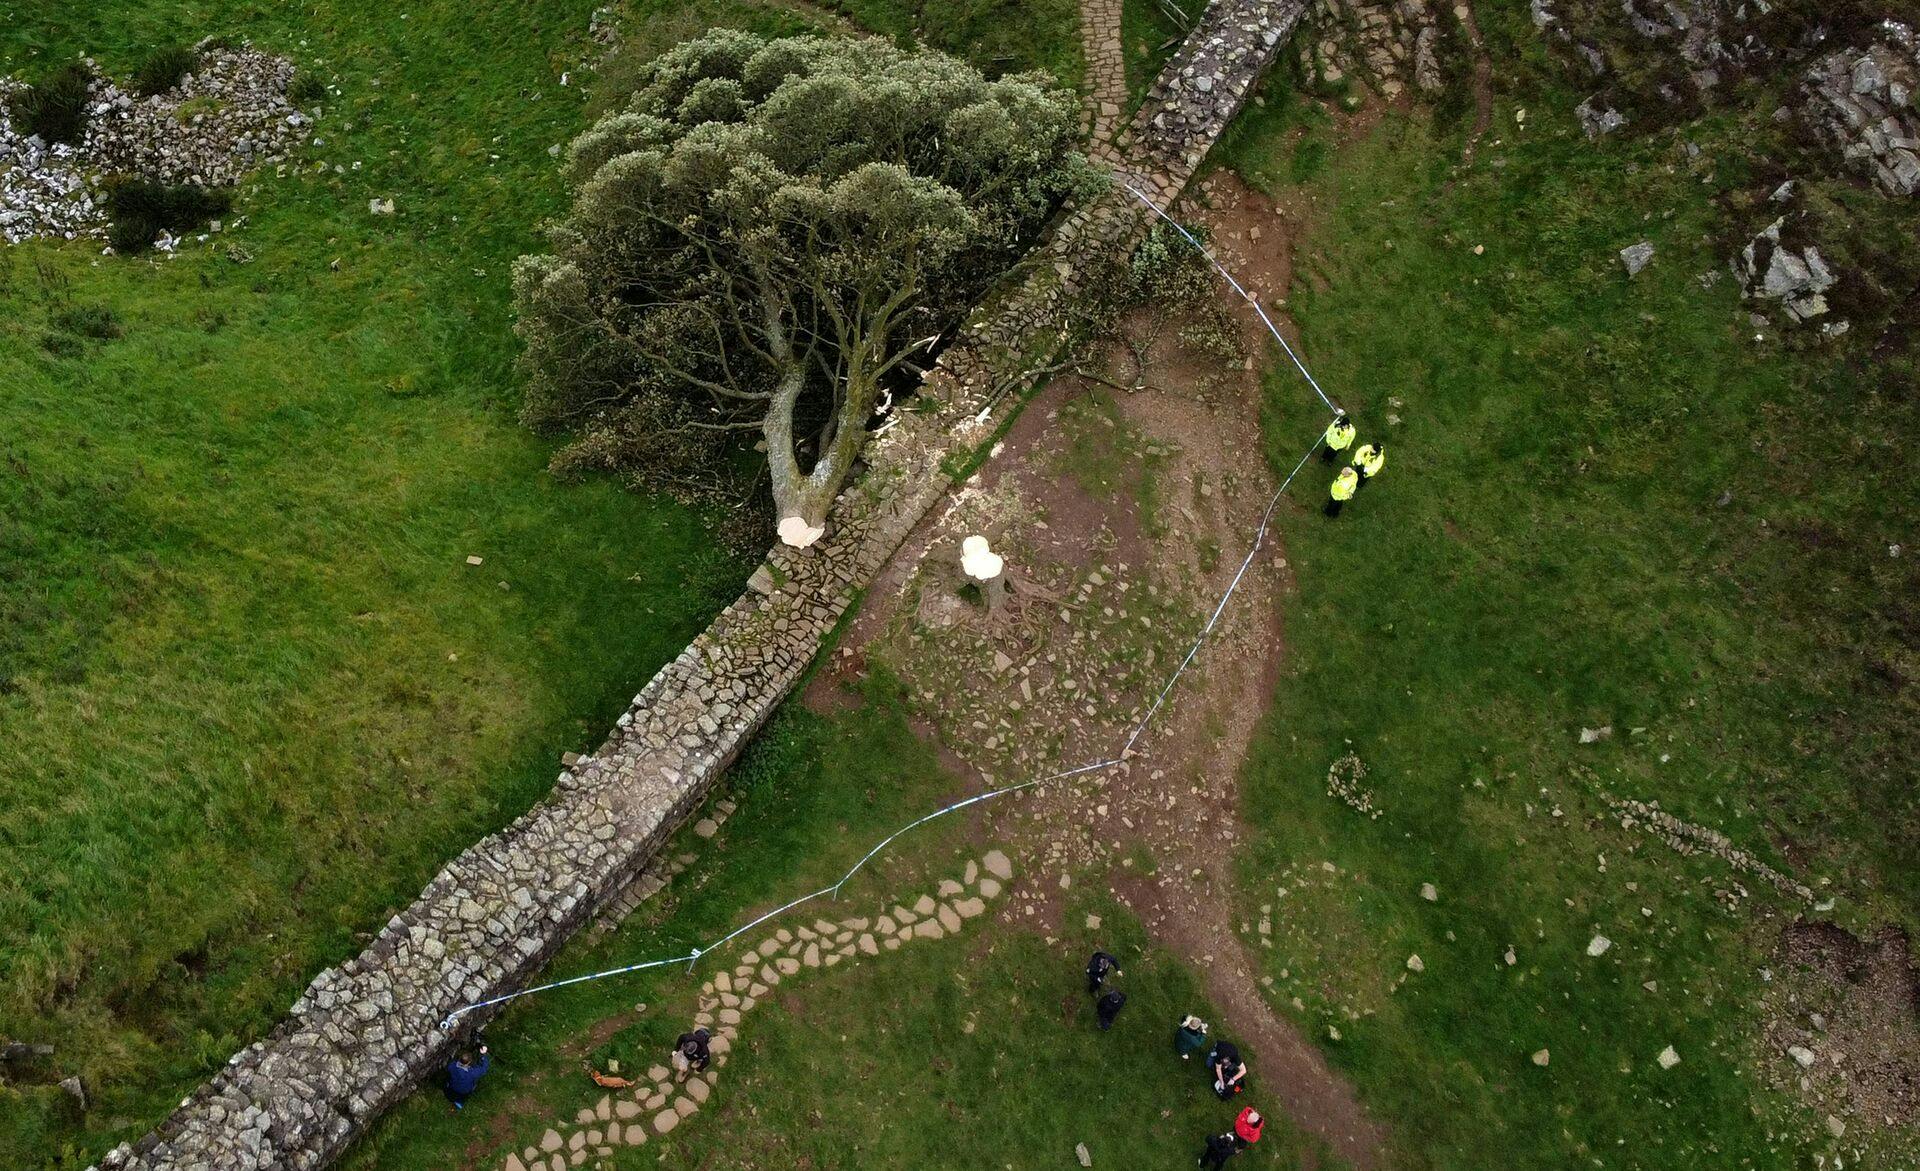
<point x="692" y="1053"/>
<point x="1098" y="969"/>
<point x="463" y="1075"/>
<point x="1220" y="1148"/>
<point x="1229" y="1072"/>
<point x="1108" y="1007"/>
<point x="1190" y="1038"/>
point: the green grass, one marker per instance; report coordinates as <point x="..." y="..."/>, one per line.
<point x="975" y="1051"/>
<point x="251" y="696"/>
<point x="1605" y="504"/>
<point x="1149" y="34"/>
<point x="997" y="36"/>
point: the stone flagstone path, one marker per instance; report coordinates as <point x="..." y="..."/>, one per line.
<point x="656" y="1105"/>
<point x="1106" y="79"/>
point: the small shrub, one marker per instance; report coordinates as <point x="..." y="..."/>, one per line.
<point x="163" y="69"/>
<point x="56" y="109"/>
<point x="140" y="208"/>
<point x="63" y="345"/>
<point x="306" y="89"/>
<point x="94" y="321"/>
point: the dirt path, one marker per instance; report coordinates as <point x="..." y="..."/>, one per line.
<point x="1123" y="516"/>
<point x="1482" y="79"/>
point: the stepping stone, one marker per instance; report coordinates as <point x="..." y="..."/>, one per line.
<point x="699" y="1090"/>
<point x="903" y="916"/>
<point x="855" y="924"/>
<point x="656" y="1073"/>
<point x="685" y="1106"/>
<point x="972" y="872"/>
<point x="729" y="1000"/>
<point x="756" y="992"/>
<point x="804" y="932"/>
<point x="949" y="918"/>
<point x="891" y="943"/>
<point x="869" y="946"/>
<point x="812" y="956"/>
<point x="665" y="1121"/>
<point x="997" y="865"/>
<point x="835" y="958"/>
<point x="924" y="906"/>
<point x="783" y="935"/>
<point x="949" y="888"/>
<point x="728" y="1016"/>
<point x="558" y="1163"/>
<point x="578" y="1140"/>
<point x="768" y="975"/>
<point x="885" y="926"/>
<point x="824" y="927"/>
<point x="658" y="1100"/>
<point x="550" y="1141"/>
<point x="989" y="888"/>
<point x="928" y="929"/>
<point x="584" y="1116"/>
<point x="743" y="972"/>
<point x="626" y="1109"/>
<point x="594" y="1136"/>
<point x="513" y="1163"/>
<point x="706" y="827"/>
<point x="787" y="965"/>
<point x="636" y="1134"/>
<point x="968" y="908"/>
<point x="602" y="1108"/>
<point x="723" y="982"/>
<point x="577" y="1158"/>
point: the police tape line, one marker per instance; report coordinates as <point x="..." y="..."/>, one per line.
<point x="1138" y="729"/>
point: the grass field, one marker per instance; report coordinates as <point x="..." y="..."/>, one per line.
<point x="251" y="695"/>
<point x="1606" y="504"/>
<point x="975" y="1051"/>
<point x="997" y="36"/>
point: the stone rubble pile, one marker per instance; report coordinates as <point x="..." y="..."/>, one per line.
<point x="229" y="116"/>
<point x="1687" y="838"/>
<point x="1862" y="102"/>
<point x="1390" y="45"/>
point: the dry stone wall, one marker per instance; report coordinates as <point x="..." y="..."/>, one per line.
<point x="365" y="1033"/>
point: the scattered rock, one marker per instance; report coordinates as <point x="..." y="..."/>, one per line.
<point x="1669" y="1057"/>
<point x="1592" y="735"/>
<point x="1598" y="945"/>
<point x="1081" y="1153"/>
<point x="1429" y="892"/>
<point x="1801" y="1054"/>
<point x="1415" y="963"/>
<point x="1636" y="257"/>
<point x="1541" y="1057"/>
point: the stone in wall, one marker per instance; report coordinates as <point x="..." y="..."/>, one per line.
<point x="1391" y="45"/>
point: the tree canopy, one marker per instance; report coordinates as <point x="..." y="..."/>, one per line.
<point x="763" y="238"/>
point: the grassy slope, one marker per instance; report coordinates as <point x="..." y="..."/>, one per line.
<point x="1547" y="550"/>
<point x="974" y="1052"/>
<point x="998" y="36"/>
<point x="253" y="695"/>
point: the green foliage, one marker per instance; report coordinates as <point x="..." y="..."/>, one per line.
<point x="93" y="321"/>
<point x="306" y="89"/>
<point x="140" y="209"/>
<point x="55" y="108"/>
<point x="999" y="37"/>
<point x="763" y="234"/>
<point x="162" y="69"/>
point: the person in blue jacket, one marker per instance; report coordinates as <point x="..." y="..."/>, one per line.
<point x="464" y="1073"/>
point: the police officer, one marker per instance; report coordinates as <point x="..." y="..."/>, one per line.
<point x="1342" y="490"/>
<point x="1369" y="460"/>
<point x="1339" y="437"/>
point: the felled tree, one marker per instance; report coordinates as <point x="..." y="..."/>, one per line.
<point x="762" y="237"/>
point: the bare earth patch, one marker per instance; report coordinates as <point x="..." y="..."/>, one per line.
<point x="1123" y="516"/>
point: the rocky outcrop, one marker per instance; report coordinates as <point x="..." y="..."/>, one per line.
<point x="1795" y="277"/>
<point x="365" y="1033"/>
<point x="231" y="114"/>
<point x="1392" y="45"/>
<point x="1862" y="103"/>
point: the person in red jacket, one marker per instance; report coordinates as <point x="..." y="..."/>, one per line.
<point x="1247" y="1127"/>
